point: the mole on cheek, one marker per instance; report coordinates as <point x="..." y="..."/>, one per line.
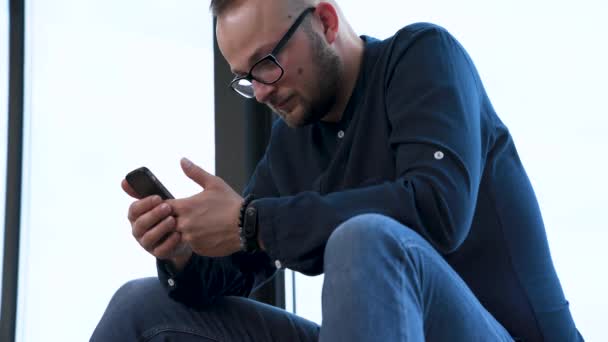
<point x="300" y="71"/>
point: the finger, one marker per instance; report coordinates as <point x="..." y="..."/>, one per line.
<point x="183" y="206"/>
<point x="155" y="236"/>
<point x="129" y="190"/>
<point x="176" y="205"/>
<point x="148" y="220"/>
<point x="166" y="249"/>
<point x="141" y="207"/>
<point x="196" y="173"/>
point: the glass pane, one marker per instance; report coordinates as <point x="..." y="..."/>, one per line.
<point x="308" y="297"/>
<point x="111" y="86"/>
<point x="4" y="41"/>
<point x="546" y="78"/>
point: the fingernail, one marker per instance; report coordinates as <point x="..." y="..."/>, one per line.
<point x="186" y="162"/>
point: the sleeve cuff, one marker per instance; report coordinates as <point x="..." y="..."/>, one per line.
<point x="169" y="277"/>
<point x="267" y="229"/>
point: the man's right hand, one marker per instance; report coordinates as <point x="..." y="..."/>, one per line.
<point x="153" y="226"/>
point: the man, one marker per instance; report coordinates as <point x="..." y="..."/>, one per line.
<point x="389" y="172"/>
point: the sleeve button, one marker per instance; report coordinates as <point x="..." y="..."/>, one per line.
<point x="439" y="155"/>
<point x="278" y="264"/>
<point x="171" y="282"/>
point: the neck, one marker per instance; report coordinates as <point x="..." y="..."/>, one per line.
<point x="352" y="57"/>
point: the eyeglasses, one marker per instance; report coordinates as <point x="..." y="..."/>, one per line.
<point x="267" y="70"/>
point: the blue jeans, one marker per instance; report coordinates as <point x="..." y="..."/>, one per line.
<point x="383" y="282"/>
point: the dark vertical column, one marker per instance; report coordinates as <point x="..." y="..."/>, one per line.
<point x="230" y="129"/>
<point x="10" y="268"/>
<point x="242" y="129"/>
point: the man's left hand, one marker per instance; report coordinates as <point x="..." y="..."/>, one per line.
<point x="208" y="221"/>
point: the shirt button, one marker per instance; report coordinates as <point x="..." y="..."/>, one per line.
<point x="439" y="155"/>
<point x="171" y="282"/>
<point x="277" y="264"/>
<point x="341" y="134"/>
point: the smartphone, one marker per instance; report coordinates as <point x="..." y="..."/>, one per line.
<point x="146" y="184"/>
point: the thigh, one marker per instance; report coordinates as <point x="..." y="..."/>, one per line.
<point x="142" y="311"/>
<point x="385" y="282"/>
<point x="451" y="311"/>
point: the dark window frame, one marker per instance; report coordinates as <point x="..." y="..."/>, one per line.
<point x="14" y="160"/>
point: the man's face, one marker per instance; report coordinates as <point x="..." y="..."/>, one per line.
<point x="307" y="90"/>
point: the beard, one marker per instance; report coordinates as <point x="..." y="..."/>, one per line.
<point x="327" y="75"/>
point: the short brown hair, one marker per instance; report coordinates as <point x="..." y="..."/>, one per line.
<point x="218" y="6"/>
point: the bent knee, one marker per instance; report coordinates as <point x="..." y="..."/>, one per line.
<point x="368" y="228"/>
<point x="127" y="309"/>
<point x="136" y="293"/>
<point x="362" y="236"/>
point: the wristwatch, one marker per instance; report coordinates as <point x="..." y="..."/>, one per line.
<point x="249" y="226"/>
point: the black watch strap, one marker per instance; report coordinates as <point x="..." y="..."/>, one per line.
<point x="249" y="226"/>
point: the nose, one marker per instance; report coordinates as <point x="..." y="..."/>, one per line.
<point x="262" y="91"/>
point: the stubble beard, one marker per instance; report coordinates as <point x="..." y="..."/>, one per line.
<point x="327" y="75"/>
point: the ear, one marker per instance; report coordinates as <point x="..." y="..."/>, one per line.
<point x="330" y="20"/>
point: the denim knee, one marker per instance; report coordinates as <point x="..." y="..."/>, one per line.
<point x="135" y="294"/>
<point x="137" y="290"/>
<point x="127" y="310"/>
<point x="367" y="236"/>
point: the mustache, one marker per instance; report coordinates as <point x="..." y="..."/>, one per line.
<point x="275" y="100"/>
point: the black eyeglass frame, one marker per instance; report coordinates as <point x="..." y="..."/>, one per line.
<point x="272" y="56"/>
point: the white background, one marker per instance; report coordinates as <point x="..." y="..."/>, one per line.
<point x="113" y="85"/>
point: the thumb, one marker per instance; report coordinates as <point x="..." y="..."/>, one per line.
<point x="196" y="173"/>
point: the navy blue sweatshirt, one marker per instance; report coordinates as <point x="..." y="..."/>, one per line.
<point x="419" y="142"/>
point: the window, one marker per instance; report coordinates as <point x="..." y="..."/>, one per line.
<point x="110" y="86"/>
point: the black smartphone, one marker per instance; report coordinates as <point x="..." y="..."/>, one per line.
<point x="146" y="184"/>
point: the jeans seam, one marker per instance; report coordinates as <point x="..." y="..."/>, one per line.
<point x="409" y="244"/>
